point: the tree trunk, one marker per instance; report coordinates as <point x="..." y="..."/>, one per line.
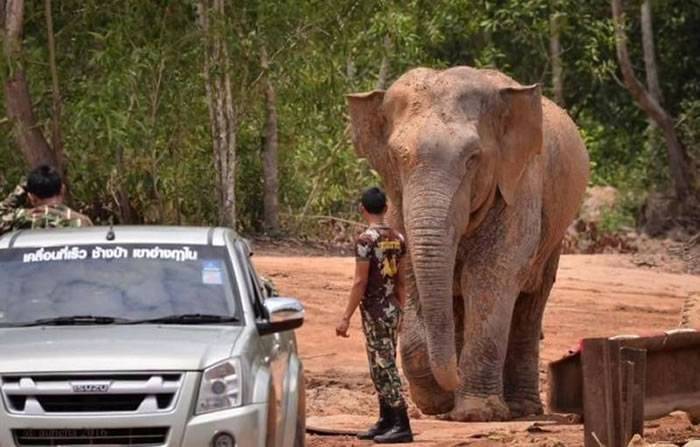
<point x="221" y="108"/>
<point x="350" y="70"/>
<point x="677" y="155"/>
<point x="384" y="66"/>
<point x="56" y="136"/>
<point x="555" y="56"/>
<point x="650" y="66"/>
<point x="126" y="213"/>
<point x="18" y="101"/>
<point x="28" y="136"/>
<point x="270" y="151"/>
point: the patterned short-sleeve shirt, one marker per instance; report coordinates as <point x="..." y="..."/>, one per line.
<point x="45" y="216"/>
<point x="383" y="248"/>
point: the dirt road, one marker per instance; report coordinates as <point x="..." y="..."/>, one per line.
<point x="599" y="295"/>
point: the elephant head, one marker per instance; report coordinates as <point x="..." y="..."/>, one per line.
<point x="446" y="144"/>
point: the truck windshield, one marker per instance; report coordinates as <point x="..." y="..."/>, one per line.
<point x="118" y="283"/>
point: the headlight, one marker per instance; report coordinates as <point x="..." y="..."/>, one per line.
<point x="221" y="387"/>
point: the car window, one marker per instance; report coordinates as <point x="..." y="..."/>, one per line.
<point x="127" y="281"/>
<point x="257" y="296"/>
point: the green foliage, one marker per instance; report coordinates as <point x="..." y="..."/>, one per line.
<point x="689" y="124"/>
<point x="131" y="79"/>
<point x="623" y="215"/>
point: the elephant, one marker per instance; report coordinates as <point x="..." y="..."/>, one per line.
<point x="483" y="176"/>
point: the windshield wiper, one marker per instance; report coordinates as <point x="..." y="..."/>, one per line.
<point x="73" y="320"/>
<point x="187" y="319"/>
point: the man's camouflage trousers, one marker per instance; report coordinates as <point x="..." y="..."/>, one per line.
<point x="381" y="336"/>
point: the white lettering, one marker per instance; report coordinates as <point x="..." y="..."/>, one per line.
<point x="177" y="254"/>
<point x="110" y="253"/>
<point x="57" y="254"/>
<point x="117" y="252"/>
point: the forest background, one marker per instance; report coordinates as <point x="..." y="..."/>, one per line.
<point x="233" y="111"/>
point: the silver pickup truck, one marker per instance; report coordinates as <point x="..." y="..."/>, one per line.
<point x="144" y="336"/>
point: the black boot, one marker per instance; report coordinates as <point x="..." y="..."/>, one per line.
<point x="383" y="424"/>
<point x="400" y="431"/>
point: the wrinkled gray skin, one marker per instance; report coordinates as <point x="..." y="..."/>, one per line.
<point x="484" y="176"/>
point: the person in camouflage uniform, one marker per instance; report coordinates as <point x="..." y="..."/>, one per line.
<point x="268" y="286"/>
<point x="37" y="202"/>
<point x="378" y="291"/>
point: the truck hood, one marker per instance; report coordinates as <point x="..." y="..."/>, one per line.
<point x="115" y="348"/>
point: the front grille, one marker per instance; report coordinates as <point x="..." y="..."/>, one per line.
<point x="141" y="436"/>
<point x="99" y="403"/>
<point x="103" y="393"/>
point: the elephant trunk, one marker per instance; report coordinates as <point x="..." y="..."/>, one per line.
<point x="432" y="242"/>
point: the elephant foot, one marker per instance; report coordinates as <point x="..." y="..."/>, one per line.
<point x="693" y="415"/>
<point x="479" y="409"/>
<point x="520" y="408"/>
<point x="432" y="401"/>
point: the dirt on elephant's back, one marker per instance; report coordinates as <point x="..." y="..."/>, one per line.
<point x="599" y="295"/>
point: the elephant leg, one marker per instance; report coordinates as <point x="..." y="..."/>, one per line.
<point x="424" y="390"/>
<point x="521" y="373"/>
<point x="488" y="306"/>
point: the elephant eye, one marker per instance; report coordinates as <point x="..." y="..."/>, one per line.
<point x="472" y="160"/>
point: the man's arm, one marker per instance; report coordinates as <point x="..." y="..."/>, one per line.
<point x="401" y="274"/>
<point x="358" y="291"/>
<point x="16" y="199"/>
<point x="401" y="287"/>
<point x="8" y="207"/>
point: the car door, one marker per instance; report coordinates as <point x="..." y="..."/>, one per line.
<point x="276" y="352"/>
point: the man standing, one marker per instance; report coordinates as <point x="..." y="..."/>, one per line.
<point x="38" y="203"/>
<point x="378" y="290"/>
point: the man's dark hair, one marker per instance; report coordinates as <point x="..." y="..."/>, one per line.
<point x="44" y="182"/>
<point x="374" y="200"/>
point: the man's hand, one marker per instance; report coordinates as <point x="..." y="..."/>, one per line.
<point x="21" y="191"/>
<point x="16" y="199"/>
<point x="341" y="330"/>
<point x="358" y="290"/>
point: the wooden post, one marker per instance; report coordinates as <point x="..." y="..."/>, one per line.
<point x="613" y="392"/>
<point x="634" y="366"/>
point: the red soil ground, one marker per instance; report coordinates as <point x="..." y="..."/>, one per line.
<point x="599" y="295"/>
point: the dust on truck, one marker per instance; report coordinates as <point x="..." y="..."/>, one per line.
<point x="149" y="336"/>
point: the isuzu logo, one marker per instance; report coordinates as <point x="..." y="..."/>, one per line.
<point x="91" y="387"/>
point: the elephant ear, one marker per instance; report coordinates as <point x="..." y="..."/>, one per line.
<point x="367" y="121"/>
<point x="521" y="136"/>
<point x="369" y="132"/>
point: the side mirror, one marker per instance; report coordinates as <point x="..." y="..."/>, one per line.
<point x="285" y="314"/>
